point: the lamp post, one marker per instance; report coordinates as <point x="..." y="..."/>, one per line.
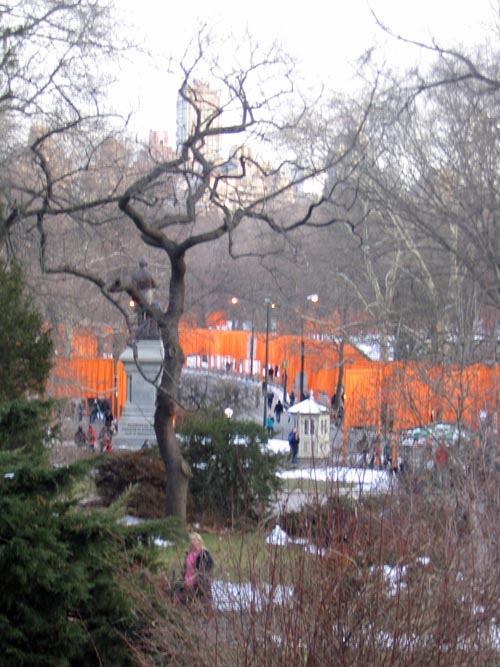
<point x="314" y="298"/>
<point x="251" y="349"/>
<point x="301" y="388"/>
<point x="269" y="304"/>
<point x="234" y="302"/>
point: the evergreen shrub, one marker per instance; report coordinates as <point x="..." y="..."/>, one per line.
<point x="68" y="584"/>
<point x="234" y="474"/>
<point x="65" y="584"/>
<point x="26" y="361"/>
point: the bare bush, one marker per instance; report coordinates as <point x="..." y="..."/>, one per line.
<point x="404" y="579"/>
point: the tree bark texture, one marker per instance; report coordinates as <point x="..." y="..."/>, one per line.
<point x="177" y="470"/>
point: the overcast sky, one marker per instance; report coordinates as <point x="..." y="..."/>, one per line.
<point x="325" y="37"/>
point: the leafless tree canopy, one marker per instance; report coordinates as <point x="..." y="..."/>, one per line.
<point x="386" y="203"/>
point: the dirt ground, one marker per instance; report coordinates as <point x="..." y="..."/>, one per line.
<point x="66" y="453"/>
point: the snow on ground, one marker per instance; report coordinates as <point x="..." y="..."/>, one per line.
<point x="227" y="596"/>
<point x="280" y="538"/>
<point x="278" y="446"/>
<point x="365" y="479"/>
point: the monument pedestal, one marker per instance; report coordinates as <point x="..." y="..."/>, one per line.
<point x="137" y="417"/>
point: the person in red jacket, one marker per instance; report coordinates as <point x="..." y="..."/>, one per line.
<point x="91" y="437"/>
<point x="441" y="456"/>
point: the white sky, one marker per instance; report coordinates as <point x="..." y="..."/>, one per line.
<point x="325" y="37"/>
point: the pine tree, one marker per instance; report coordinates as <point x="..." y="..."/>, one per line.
<point x="26" y="348"/>
<point x="66" y="588"/>
<point x="62" y="602"/>
<point x="26" y="361"/>
<point x="233" y="472"/>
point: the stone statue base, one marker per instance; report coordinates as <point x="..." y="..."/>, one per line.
<point x="137" y="417"/>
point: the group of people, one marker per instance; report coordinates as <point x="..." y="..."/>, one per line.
<point x="293" y="437"/>
<point x="375" y="456"/>
<point x="278" y="411"/>
<point x="90" y="438"/>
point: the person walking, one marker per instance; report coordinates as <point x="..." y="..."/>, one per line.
<point x="270" y="425"/>
<point x="270" y="399"/>
<point x="278" y="411"/>
<point x="109" y="422"/>
<point x="293" y="441"/>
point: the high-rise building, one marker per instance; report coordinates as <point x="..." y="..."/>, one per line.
<point x="202" y="108"/>
<point x="159" y="148"/>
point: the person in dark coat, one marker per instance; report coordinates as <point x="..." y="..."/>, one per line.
<point x="80" y="439"/>
<point x="270" y="399"/>
<point x="293" y="441"/>
<point x="196" y="572"/>
<point x="278" y="411"/>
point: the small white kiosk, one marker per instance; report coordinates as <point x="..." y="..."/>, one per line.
<point x="312" y="422"/>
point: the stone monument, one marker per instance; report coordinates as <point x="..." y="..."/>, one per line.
<point x="142" y="370"/>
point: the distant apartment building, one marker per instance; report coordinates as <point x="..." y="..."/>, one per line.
<point x="158" y="145"/>
<point x="201" y="107"/>
<point x="243" y="185"/>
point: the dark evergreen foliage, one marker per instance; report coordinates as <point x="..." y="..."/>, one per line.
<point x="67" y="592"/>
<point x="65" y="599"/>
<point x="26" y="361"/>
<point x="24" y="423"/>
<point x="26" y="347"/>
<point x="234" y="475"/>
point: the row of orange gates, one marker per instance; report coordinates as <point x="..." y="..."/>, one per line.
<point x="405" y="394"/>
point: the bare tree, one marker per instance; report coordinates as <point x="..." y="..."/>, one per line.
<point x="205" y="193"/>
<point x="447" y="120"/>
<point x="428" y="186"/>
<point x="56" y="60"/>
<point x="249" y="113"/>
<point x="51" y="57"/>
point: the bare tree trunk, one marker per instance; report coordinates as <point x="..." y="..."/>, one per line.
<point x="177" y="470"/>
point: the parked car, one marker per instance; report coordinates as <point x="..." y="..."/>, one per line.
<point x="434" y="433"/>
